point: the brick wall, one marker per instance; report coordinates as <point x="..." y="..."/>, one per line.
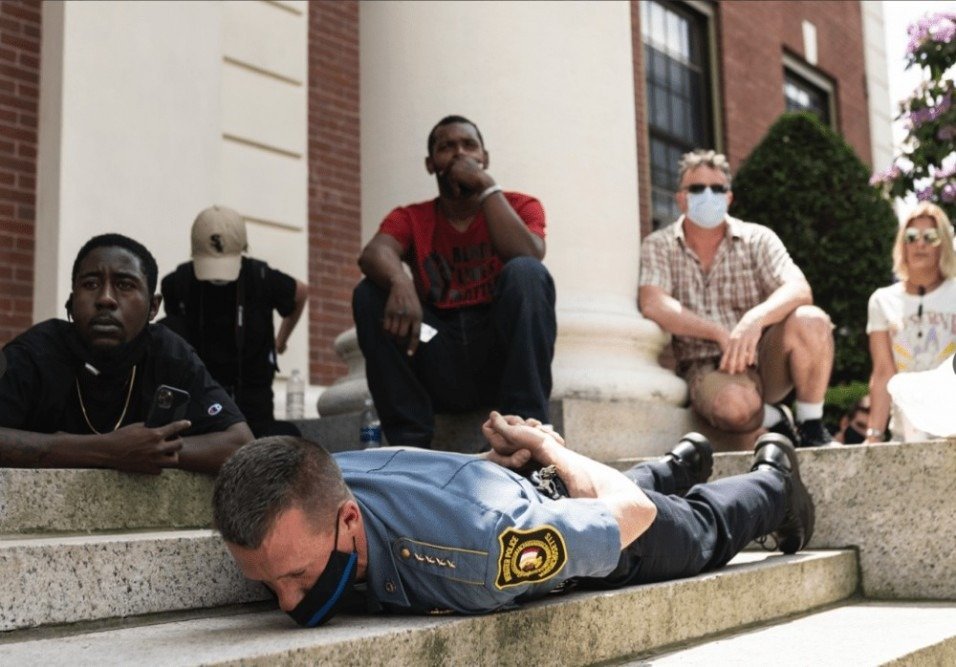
<point x="19" y="98"/>
<point x="334" y="186"/>
<point x="751" y="39"/>
<point x="752" y="67"/>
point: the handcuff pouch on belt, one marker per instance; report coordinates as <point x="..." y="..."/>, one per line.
<point x="548" y="483"/>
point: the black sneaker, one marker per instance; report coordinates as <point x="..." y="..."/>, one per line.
<point x="786" y="426"/>
<point x="796" y="529"/>
<point x="813" y="434"/>
<point x="692" y="460"/>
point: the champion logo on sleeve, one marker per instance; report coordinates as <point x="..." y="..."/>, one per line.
<point x="214" y="409"/>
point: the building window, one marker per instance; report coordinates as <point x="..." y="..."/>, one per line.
<point x="805" y="89"/>
<point x="679" y="106"/>
<point x="801" y="95"/>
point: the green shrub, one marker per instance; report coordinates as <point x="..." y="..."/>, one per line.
<point x="804" y="182"/>
<point x="840" y="398"/>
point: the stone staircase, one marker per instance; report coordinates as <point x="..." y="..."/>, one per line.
<point x="98" y="567"/>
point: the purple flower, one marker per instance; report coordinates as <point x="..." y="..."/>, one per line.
<point x="949" y="193"/>
<point x="886" y="176"/>
<point x="928" y="114"/>
<point x="946" y="133"/>
<point x="945" y="172"/>
<point x="940" y="28"/>
<point x="926" y="194"/>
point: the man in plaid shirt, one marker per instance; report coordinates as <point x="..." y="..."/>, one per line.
<point x="745" y="330"/>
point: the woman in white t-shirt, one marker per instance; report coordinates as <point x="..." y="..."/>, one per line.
<point x="912" y="323"/>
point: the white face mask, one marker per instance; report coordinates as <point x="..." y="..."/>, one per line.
<point x="707" y="209"/>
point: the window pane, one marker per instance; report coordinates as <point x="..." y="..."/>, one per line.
<point x="658" y="29"/>
<point x="678" y="100"/>
<point x="675" y="25"/>
<point x="801" y="95"/>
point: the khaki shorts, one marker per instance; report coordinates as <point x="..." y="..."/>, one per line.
<point x="770" y="378"/>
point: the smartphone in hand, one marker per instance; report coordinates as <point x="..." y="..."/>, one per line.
<point x="169" y="405"/>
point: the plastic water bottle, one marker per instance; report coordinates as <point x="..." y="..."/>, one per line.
<point x="370" y="435"/>
<point x="295" y="396"/>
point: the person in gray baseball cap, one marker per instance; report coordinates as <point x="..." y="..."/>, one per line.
<point x="222" y="303"/>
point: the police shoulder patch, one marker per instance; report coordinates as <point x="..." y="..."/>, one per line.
<point x="529" y="556"/>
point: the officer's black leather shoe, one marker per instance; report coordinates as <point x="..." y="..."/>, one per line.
<point x="692" y="460"/>
<point x="794" y="532"/>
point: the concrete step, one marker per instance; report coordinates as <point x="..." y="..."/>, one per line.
<point x="576" y="629"/>
<point x="893" y="502"/>
<point x="857" y="633"/>
<point x="49" y="580"/>
<point x="62" y="501"/>
<point x="81" y="501"/>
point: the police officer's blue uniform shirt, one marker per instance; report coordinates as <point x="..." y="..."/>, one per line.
<point x="455" y="532"/>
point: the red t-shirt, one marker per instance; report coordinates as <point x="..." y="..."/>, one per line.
<point x="454" y="269"/>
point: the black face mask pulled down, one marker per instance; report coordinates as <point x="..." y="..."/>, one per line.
<point x="324" y="598"/>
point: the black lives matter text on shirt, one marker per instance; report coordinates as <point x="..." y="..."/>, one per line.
<point x="469" y="275"/>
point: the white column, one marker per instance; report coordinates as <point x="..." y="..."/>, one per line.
<point x="152" y="111"/>
<point x="880" y="105"/>
<point x="129" y="130"/>
<point x="550" y="84"/>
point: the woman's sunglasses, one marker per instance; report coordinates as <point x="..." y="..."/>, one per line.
<point x="697" y="188"/>
<point x="930" y="236"/>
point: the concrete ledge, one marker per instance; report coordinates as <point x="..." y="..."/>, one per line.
<point x="453" y="432"/>
<point x="603" y="430"/>
<point x="576" y="629"/>
<point x="862" y="633"/>
<point x="51" y="501"/>
<point x="66" y="579"/>
<point x="894" y="502"/>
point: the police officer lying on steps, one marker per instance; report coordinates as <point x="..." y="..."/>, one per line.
<point x="435" y="531"/>
<point x="76" y="393"/>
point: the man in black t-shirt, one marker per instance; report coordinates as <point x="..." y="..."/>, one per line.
<point x="222" y="303"/>
<point x="75" y="394"/>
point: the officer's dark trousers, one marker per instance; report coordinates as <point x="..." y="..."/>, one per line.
<point x="701" y="531"/>
<point x="496" y="355"/>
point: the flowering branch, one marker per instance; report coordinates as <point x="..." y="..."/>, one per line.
<point x="927" y="164"/>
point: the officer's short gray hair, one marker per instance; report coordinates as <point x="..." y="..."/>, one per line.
<point x="702" y="158"/>
<point x="270" y="475"/>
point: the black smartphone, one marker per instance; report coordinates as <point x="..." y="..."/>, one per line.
<point x="169" y="405"/>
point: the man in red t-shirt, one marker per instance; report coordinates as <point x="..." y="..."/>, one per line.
<point x="475" y="255"/>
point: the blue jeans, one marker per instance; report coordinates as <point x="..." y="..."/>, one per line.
<point x="495" y="355"/>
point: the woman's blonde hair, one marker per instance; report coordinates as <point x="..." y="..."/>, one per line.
<point x="947" y="256"/>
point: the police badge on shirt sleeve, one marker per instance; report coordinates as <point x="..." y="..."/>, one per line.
<point x="529" y="556"/>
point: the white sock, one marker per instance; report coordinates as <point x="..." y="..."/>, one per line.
<point x="808" y="411"/>
<point x="771" y="415"/>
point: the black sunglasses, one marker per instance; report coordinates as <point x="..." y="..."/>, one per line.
<point x="697" y="188"/>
